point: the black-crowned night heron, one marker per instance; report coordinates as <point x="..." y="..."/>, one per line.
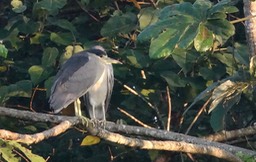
<point x="89" y="74"/>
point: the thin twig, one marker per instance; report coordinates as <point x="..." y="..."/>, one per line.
<point x="32" y="98"/>
<point x="85" y="10"/>
<point x="169" y="108"/>
<point x="198" y="114"/>
<point x="133" y="118"/>
<point x="242" y="19"/>
<point x="143" y="99"/>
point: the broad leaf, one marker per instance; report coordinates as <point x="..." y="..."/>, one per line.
<point x="69" y="51"/>
<point x="19" y="89"/>
<point x="204" y="39"/>
<point x="51" y="6"/>
<point x="137" y="58"/>
<point x="119" y="24"/>
<point x="173" y="80"/>
<point x="61" y="38"/>
<point x="147" y="17"/>
<point x="182" y="9"/>
<point x="26" y="152"/>
<point x="90" y="140"/>
<point x="49" y="56"/>
<point x="185" y="59"/>
<point x="39" y="73"/>
<point x="17" y="6"/>
<point x="3" y="51"/>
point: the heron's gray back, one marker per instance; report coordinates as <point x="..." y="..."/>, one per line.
<point x="74" y="79"/>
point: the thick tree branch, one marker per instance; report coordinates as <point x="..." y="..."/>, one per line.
<point x="167" y="145"/>
<point x="153" y="133"/>
<point x="229" y="135"/>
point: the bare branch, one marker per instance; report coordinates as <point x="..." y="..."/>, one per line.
<point x="167" y="145"/>
<point x="129" y="130"/>
<point x="38" y="137"/>
<point x="228" y="135"/>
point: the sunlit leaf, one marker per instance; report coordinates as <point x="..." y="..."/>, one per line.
<point x="147" y="16"/>
<point x="17" y="6"/>
<point x="90" y="140"/>
<point x="28" y="153"/>
<point x="69" y="51"/>
<point x="7" y="152"/>
<point x="3" y="51"/>
<point x="204" y="39"/>
<point x="39" y="73"/>
<point x="61" y="38"/>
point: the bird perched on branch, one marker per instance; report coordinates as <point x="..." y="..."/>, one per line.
<point x="89" y="74"/>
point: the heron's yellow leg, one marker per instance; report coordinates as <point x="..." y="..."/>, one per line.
<point x="77" y="105"/>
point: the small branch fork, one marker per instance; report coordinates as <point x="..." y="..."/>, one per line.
<point x="161" y="140"/>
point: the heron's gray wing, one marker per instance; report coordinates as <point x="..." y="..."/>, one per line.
<point x="74" y="79"/>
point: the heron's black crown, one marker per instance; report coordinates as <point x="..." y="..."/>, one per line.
<point x="98" y="50"/>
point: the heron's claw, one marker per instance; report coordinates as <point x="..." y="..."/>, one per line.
<point x="84" y="120"/>
<point x="99" y="123"/>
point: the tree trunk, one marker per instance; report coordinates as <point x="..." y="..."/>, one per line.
<point x="250" y="25"/>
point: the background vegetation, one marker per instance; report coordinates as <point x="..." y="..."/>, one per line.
<point x="193" y="48"/>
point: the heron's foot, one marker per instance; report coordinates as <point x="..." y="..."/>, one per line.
<point x="99" y="123"/>
<point x="85" y="121"/>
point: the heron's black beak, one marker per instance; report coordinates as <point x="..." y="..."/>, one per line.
<point x="110" y="60"/>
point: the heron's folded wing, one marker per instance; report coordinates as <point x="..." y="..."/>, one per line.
<point x="74" y="79"/>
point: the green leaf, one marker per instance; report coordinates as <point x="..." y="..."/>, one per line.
<point x="164" y="44"/>
<point x="21" y="88"/>
<point x="3" y="51"/>
<point x="173" y="80"/>
<point x="61" y="38"/>
<point x="206" y="93"/>
<point x="188" y="35"/>
<point x="182" y="9"/>
<point x="52" y="6"/>
<point x="223" y="6"/>
<point x="28" y="27"/>
<point x="48" y="85"/>
<point x="17" y="6"/>
<point x="213" y="72"/>
<point x="217" y="119"/>
<point x="119" y="24"/>
<point x="147" y="17"/>
<point x="39" y="73"/>
<point x="137" y="58"/>
<point x="222" y="28"/>
<point x="69" y="51"/>
<point x="203" y="6"/>
<point x="49" y="56"/>
<point x="64" y="24"/>
<point x="204" y="39"/>
<point x="7" y="152"/>
<point x="27" y="152"/>
<point x="185" y="59"/>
